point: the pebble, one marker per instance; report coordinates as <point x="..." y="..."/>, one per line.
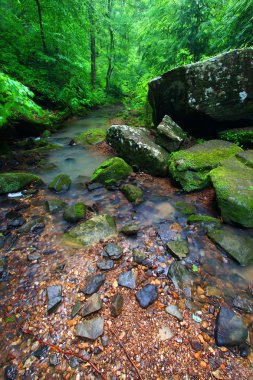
<point x="173" y="310"/>
<point x="33" y="256"/>
<point x="105" y="264"/>
<point x="54" y="359"/>
<point x="54" y="294"/>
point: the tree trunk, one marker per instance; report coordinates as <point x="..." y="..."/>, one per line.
<point x="93" y="69"/>
<point x="111" y="47"/>
<point x="41" y="27"/>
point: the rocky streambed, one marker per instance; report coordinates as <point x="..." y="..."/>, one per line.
<point x="107" y="272"/>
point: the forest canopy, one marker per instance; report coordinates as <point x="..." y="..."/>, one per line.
<point x="79" y="53"/>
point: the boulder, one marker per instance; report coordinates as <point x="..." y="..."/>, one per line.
<point x="233" y="183"/>
<point x="237" y="243"/>
<point x="92" y="231"/>
<point x="132" y="193"/>
<point x="74" y="213"/>
<point x="169" y="135"/>
<point x="91" y="137"/>
<point x="60" y="183"/>
<point x="191" y="167"/>
<point x="111" y="171"/>
<point x="206" y="96"/>
<point x="13" y="182"/>
<point x="137" y="147"/>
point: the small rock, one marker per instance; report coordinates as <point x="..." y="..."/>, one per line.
<point x="41" y="352"/>
<point x="74" y="213"/>
<point x="54" y="359"/>
<point x="34" y="225"/>
<point x="165" y="333"/>
<point x="243" y="303"/>
<point x="179" y="249"/>
<point x="147" y="295"/>
<point x="93" y="304"/>
<point x="212" y="291"/>
<point x="74" y="362"/>
<point x="10" y="372"/>
<point x="117" y="304"/>
<point x="54" y="294"/>
<point x="33" y="256"/>
<point x="15" y="219"/>
<point x="173" y="310"/>
<point x="93" y="283"/>
<point x="113" y="251"/>
<point x="139" y="256"/>
<point x="105" y="264"/>
<point x="105" y="340"/>
<point x="60" y="183"/>
<point x="76" y="308"/>
<point x="127" y="279"/>
<point x="90" y="329"/>
<point x="54" y="205"/>
<point x="130" y="229"/>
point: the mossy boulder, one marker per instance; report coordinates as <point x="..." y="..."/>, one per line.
<point x="60" y="183"/>
<point x="74" y="213"/>
<point x="137" y="147"/>
<point x="12" y="182"/>
<point x="111" y="171"/>
<point x="204" y="221"/>
<point x="91" y="137"/>
<point x="92" y="231"/>
<point x="191" y="167"/>
<point x="233" y="183"/>
<point x="54" y="205"/>
<point x="132" y="193"/>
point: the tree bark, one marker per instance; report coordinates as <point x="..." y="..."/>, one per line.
<point x="93" y="68"/>
<point x="42" y="34"/>
<point x="111" y="47"/>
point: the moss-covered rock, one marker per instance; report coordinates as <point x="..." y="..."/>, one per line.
<point x="185" y="208"/>
<point x="204" y="221"/>
<point x="91" y="137"/>
<point x="12" y="182"/>
<point x="54" y="205"/>
<point x="74" y="213"/>
<point x="132" y="193"/>
<point x="111" y="171"/>
<point x="60" y="183"/>
<point x="137" y="147"/>
<point x="92" y="231"/>
<point x="233" y="183"/>
<point x="246" y="157"/>
<point x="179" y="249"/>
<point x="191" y="167"/>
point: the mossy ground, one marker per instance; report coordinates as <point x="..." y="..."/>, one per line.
<point x="111" y="171"/>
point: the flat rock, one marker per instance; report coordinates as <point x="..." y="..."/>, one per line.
<point x="117" y="305"/>
<point x="90" y="329"/>
<point x="173" y="310"/>
<point x="127" y="279"/>
<point x="147" y="295"/>
<point x="179" y="249"/>
<point x="54" y="295"/>
<point x="113" y="251"/>
<point x="230" y="330"/>
<point x="105" y="264"/>
<point x="93" y="304"/>
<point x="93" y="283"/>
<point x="237" y="243"/>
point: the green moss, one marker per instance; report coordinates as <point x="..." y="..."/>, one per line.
<point x="111" y="171"/>
<point x="185" y="208"/>
<point x="60" y="183"/>
<point x="91" y="137"/>
<point x="132" y="193"/>
<point x="12" y="182"/>
<point x="204" y="221"/>
<point x="240" y="136"/>
<point x="74" y="213"/>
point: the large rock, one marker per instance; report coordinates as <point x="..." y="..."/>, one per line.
<point x="137" y="147"/>
<point x="169" y="135"/>
<point x="233" y="183"/>
<point x="101" y="227"/>
<point x="206" y="95"/>
<point x="191" y="167"/>
<point x="12" y="182"/>
<point x="111" y="171"/>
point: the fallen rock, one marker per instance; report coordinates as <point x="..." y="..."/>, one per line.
<point x="117" y="305"/>
<point x="93" y="283"/>
<point x="206" y="94"/>
<point x="60" y="183"/>
<point x="92" y="231"/>
<point x="132" y="193"/>
<point x="13" y="182"/>
<point x="74" y="213"/>
<point x="137" y="147"/>
<point x="130" y="229"/>
<point x="54" y="205"/>
<point x="237" y="243"/>
<point x="179" y="249"/>
<point x="127" y="279"/>
<point x="191" y="167"/>
<point x="91" y="329"/>
<point x="173" y="310"/>
<point x="147" y="295"/>
<point x="113" y="251"/>
<point x="93" y="304"/>
<point x="91" y="137"/>
<point x="233" y="183"/>
<point x="105" y="264"/>
<point x="54" y="295"/>
<point x="111" y="171"/>
<point x="230" y="330"/>
<point x="170" y="135"/>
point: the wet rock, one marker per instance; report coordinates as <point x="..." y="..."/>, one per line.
<point x="127" y="279"/>
<point x="147" y="295"/>
<point x="93" y="304"/>
<point x="93" y="283"/>
<point x="76" y="308"/>
<point x="179" y="249"/>
<point x="180" y="275"/>
<point x="91" y="137"/>
<point x="137" y="147"/>
<point x="13" y="182"/>
<point x="90" y="329"/>
<point x="2" y="240"/>
<point x="245" y="350"/>
<point x="105" y="264"/>
<point x="236" y="243"/>
<point x="191" y="167"/>
<point x="130" y="229"/>
<point x="34" y="225"/>
<point x="132" y="193"/>
<point x="49" y="252"/>
<point x="233" y="183"/>
<point x="34" y="256"/>
<point x="206" y="222"/>
<point x="92" y="231"/>
<point x="243" y="303"/>
<point x="94" y="186"/>
<point x="170" y="135"/>
<point x="10" y="372"/>
<point x="117" y="305"/>
<point x="185" y="208"/>
<point x="111" y="171"/>
<point x="74" y="213"/>
<point x="54" y="360"/>
<point x="113" y="251"/>
<point x="206" y="94"/>
<point x="15" y="219"/>
<point x="139" y="257"/>
<point x="213" y="291"/>
<point x="230" y="329"/>
<point x="54" y="205"/>
<point x="60" y="183"/>
<point x="54" y="295"/>
<point x="173" y="310"/>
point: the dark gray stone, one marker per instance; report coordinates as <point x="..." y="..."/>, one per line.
<point x="117" y="305"/>
<point x="93" y="283"/>
<point x="93" y="304"/>
<point x="113" y="251"/>
<point x="147" y="295"/>
<point x="105" y="264"/>
<point x="127" y="279"/>
<point x="34" y="225"/>
<point x="54" y="295"/>
<point x="243" y="303"/>
<point x="54" y="360"/>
